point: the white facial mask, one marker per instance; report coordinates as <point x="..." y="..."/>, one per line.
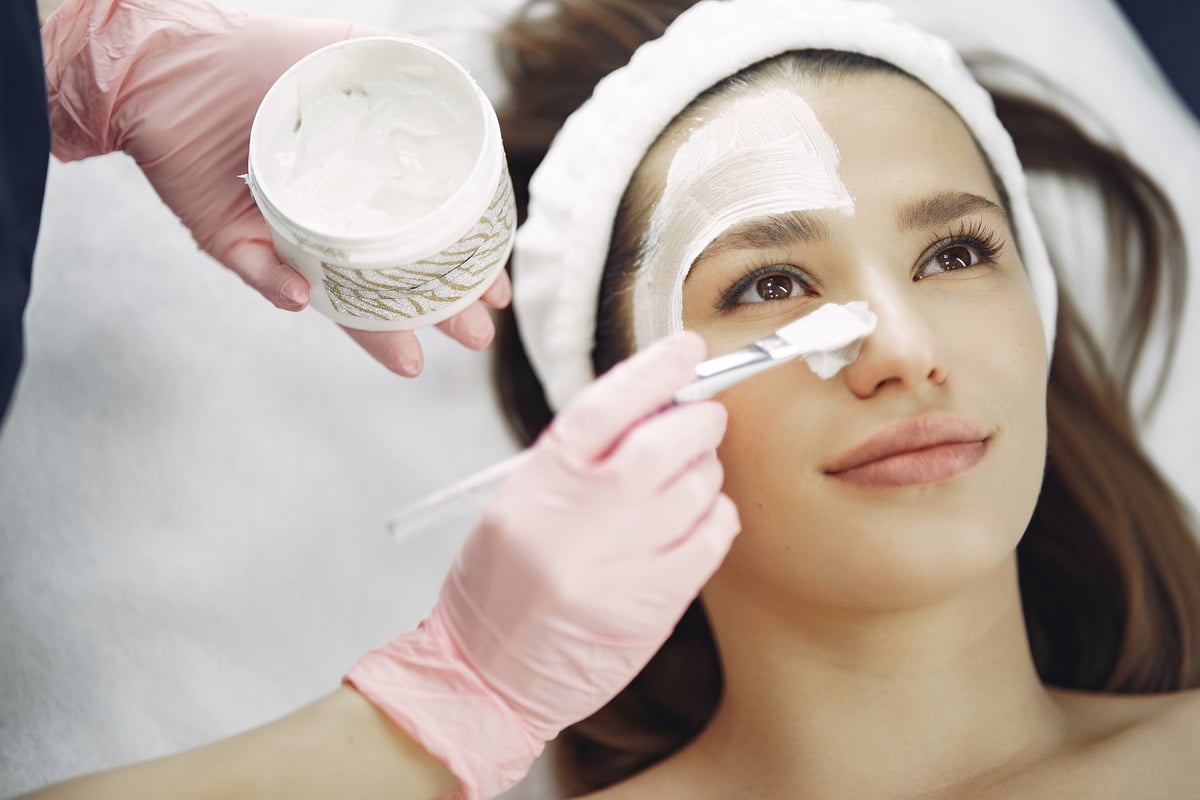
<point x="761" y="155"/>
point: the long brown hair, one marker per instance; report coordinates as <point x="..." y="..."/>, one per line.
<point x="1109" y="566"/>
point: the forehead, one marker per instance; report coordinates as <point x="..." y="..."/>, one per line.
<point x="886" y="127"/>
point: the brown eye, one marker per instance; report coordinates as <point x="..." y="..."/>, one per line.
<point x="774" y="287"/>
<point x="969" y="250"/>
<point x="766" y="285"/>
<point x="955" y="257"/>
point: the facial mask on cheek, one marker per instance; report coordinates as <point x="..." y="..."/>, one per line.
<point x="762" y="155"/>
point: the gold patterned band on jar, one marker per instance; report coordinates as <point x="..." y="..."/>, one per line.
<point x="426" y="286"/>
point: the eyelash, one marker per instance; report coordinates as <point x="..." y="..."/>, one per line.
<point x="974" y="234"/>
<point x="766" y="267"/>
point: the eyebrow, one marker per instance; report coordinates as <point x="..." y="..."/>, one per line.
<point x="768" y="233"/>
<point x="943" y="207"/>
<point x="781" y="230"/>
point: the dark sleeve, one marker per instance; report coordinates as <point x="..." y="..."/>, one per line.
<point x="1171" y="31"/>
<point x="24" y="155"/>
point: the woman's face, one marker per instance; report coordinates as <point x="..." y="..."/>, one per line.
<point x="916" y="468"/>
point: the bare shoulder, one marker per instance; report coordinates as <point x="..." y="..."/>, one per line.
<point x="648" y="786"/>
<point x="1114" y="747"/>
<point x="1098" y="716"/>
<point x="1121" y="746"/>
<point x="1180" y="715"/>
<point x="673" y="778"/>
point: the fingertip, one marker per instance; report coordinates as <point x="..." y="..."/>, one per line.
<point x="472" y="328"/>
<point x="686" y="348"/>
<point x="405" y="359"/>
<point x="721" y="526"/>
<point x="293" y="294"/>
<point x="720" y="416"/>
<point x="710" y="424"/>
<point x="499" y="294"/>
<point x="398" y="351"/>
<point x="400" y="361"/>
<point x="677" y="356"/>
<point x="690" y="346"/>
<point x="358" y="30"/>
<point x="733" y="518"/>
<point x="480" y="330"/>
<point x="717" y="413"/>
<point x="705" y="421"/>
<point x="677" y="353"/>
<point x="259" y="266"/>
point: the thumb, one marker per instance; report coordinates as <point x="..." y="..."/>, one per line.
<point x="359" y="29"/>
<point x="255" y="260"/>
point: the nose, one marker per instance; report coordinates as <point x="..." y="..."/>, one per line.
<point x="904" y="352"/>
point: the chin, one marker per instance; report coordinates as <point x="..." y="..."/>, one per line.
<point x="933" y="565"/>
<point x="898" y="561"/>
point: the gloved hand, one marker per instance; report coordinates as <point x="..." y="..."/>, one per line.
<point x="176" y="85"/>
<point x="585" y="559"/>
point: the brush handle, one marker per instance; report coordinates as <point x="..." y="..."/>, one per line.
<point x="470" y="494"/>
<point x="456" y="500"/>
<point x="717" y="374"/>
<point x="707" y="387"/>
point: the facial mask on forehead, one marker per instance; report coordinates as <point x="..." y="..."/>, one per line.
<point x="760" y="155"/>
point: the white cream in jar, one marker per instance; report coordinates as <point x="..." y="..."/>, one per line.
<point x="378" y="166"/>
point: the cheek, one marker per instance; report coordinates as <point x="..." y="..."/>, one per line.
<point x="998" y="363"/>
<point x="765" y="448"/>
<point x="762" y="473"/>
<point x="746" y="451"/>
<point x="998" y="351"/>
<point x="770" y="456"/>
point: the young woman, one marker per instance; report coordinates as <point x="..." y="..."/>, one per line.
<point x="954" y="577"/>
<point x="957" y="575"/>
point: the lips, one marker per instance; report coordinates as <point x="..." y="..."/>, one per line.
<point x="917" y="452"/>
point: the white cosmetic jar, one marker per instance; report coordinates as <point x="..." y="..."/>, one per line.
<point x="378" y="166"/>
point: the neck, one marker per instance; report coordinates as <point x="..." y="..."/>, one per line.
<point x="842" y="703"/>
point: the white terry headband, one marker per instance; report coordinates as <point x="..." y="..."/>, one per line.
<point x="560" y="251"/>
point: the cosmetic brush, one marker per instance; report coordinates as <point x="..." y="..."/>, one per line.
<point x="827" y="340"/>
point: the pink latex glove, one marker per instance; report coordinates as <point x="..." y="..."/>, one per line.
<point x="585" y="559"/>
<point x="176" y="86"/>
